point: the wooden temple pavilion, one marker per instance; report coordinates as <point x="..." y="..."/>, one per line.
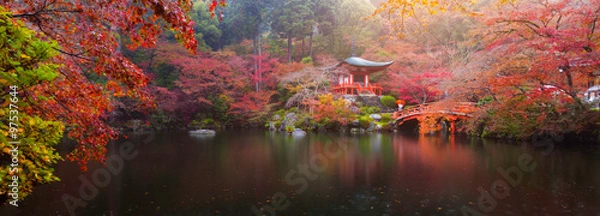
<point x="356" y="82"/>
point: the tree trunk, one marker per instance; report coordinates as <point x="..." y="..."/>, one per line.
<point x="289" y="48"/>
<point x="152" y="54"/>
<point x="310" y="51"/>
<point x="303" y="47"/>
<point x="254" y="50"/>
<point x="258" y="60"/>
<point x="570" y="83"/>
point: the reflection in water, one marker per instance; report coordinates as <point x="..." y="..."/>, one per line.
<point x="375" y="174"/>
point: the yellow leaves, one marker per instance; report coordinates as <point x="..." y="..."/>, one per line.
<point x="506" y="1"/>
<point x="31" y="122"/>
<point x="405" y="11"/>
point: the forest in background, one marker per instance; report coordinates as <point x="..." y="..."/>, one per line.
<point x="261" y="57"/>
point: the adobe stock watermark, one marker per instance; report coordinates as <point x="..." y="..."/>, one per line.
<point x="15" y="136"/>
<point x="101" y="177"/>
<point x="511" y="177"/>
<point x="300" y="177"/>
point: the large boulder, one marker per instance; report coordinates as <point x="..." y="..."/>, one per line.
<point x="376" y="117"/>
<point x="355" y="123"/>
<point x="357" y="130"/>
<point x="276" y="117"/>
<point x="371" y="127"/>
<point x="288" y="121"/>
<point x="290" y="116"/>
<point x="272" y="126"/>
<point x="298" y="133"/>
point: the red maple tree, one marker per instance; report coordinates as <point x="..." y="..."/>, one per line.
<point x="546" y="43"/>
<point x="88" y="32"/>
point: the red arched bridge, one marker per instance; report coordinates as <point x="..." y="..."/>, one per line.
<point x="451" y="111"/>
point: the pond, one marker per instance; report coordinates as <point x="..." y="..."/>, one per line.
<point x="255" y="172"/>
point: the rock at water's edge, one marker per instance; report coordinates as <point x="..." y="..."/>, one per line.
<point x="203" y="132"/>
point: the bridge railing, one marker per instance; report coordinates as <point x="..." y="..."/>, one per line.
<point x="352" y="87"/>
<point x="459" y="107"/>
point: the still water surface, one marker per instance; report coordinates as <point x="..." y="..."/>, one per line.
<point x="330" y="174"/>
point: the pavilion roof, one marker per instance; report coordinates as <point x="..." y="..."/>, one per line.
<point x="362" y="66"/>
<point x="360" y="62"/>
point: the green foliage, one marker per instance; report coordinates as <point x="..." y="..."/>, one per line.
<point x="245" y="19"/>
<point x="304" y="121"/>
<point x="217" y="114"/>
<point x="24" y="63"/>
<point x="293" y="18"/>
<point x="367" y="110"/>
<point x="208" y="122"/>
<point x="365" y="121"/>
<point x="275" y="45"/>
<point x="290" y="128"/>
<point x="204" y="123"/>
<point x="347" y="23"/>
<point x="220" y="109"/>
<point x="383" y="53"/>
<point x="281" y="113"/>
<point x="23" y="55"/>
<point x="162" y="120"/>
<point x="307" y="60"/>
<point x="166" y="75"/>
<point x="207" y="32"/>
<point x="36" y="153"/>
<point x="386" y="117"/>
<point x="389" y="101"/>
<point x="485" y="100"/>
<point x="395" y="94"/>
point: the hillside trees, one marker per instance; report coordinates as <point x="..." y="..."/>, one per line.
<point x="218" y="86"/>
<point x="322" y="26"/>
<point x="543" y="54"/>
<point x="324" y="11"/>
<point x="421" y="87"/>
<point x="419" y="72"/>
<point x="331" y="112"/>
<point x="305" y="84"/>
<point x="405" y="15"/>
<point x="560" y="39"/>
<point x="292" y="19"/>
<point x="207" y="32"/>
<point x="346" y="23"/>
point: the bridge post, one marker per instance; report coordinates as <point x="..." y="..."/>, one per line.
<point x="452" y="126"/>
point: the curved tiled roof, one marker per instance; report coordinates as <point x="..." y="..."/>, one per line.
<point x="359" y="62"/>
<point x="594" y="88"/>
